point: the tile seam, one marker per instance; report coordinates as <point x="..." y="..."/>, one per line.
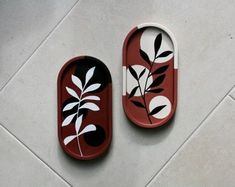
<point x="190" y="135"/>
<point x="33" y="153"/>
<point x="39" y="45"/>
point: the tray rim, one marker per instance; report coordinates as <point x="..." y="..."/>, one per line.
<point x="174" y="105"/>
<point x="109" y="140"/>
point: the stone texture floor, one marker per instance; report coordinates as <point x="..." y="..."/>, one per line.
<point x="196" y="149"/>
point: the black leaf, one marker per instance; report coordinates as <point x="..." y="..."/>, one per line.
<point x="133" y="73"/>
<point x="144" y="56"/>
<point x="158" y="90"/>
<point x="164" y="54"/>
<point x="133" y="92"/>
<point x="157" y="109"/>
<point x="157" y="43"/>
<point x="141" y="74"/>
<point x="157" y="81"/>
<point x="160" y="70"/>
<point x="137" y="103"/>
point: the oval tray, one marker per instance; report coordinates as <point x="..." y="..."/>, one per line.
<point x="149" y="75"/>
<point x="84" y="108"/>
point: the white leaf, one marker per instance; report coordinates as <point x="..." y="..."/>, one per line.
<point x="69" y="139"/>
<point x="78" y="123"/>
<point x="72" y="92"/>
<point x="89" y="74"/>
<point x="70" y="106"/>
<point x="91" y="97"/>
<point x="77" y="82"/>
<point x="92" y="87"/>
<point x="88" y="128"/>
<point x="68" y="120"/>
<point x="90" y="106"/>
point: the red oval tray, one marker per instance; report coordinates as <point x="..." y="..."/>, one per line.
<point x="84" y="108"/>
<point x="149" y="75"/>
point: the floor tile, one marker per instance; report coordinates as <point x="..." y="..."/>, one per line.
<point x="19" y="167"/>
<point x="232" y="94"/>
<point x="23" y="26"/>
<point x="207" y="159"/>
<point x="29" y="103"/>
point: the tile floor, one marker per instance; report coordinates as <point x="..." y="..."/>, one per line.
<point x="196" y="149"/>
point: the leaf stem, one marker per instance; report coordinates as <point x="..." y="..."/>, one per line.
<point x="78" y="142"/>
<point x="144" y="98"/>
<point x="144" y="101"/>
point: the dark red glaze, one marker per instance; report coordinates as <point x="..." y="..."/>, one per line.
<point x="95" y="112"/>
<point x="137" y="108"/>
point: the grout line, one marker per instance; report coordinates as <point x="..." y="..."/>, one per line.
<point x="40" y="44"/>
<point x="190" y="135"/>
<point x="232" y="97"/>
<point x="34" y="154"/>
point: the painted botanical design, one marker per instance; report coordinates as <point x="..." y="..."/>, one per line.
<point x="149" y="80"/>
<point x="83" y="101"/>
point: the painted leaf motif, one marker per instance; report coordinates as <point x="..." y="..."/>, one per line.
<point x="78" y="123"/>
<point x="70" y="106"/>
<point x="89" y="74"/>
<point x="88" y="128"/>
<point x="157" y="109"/>
<point x="164" y="54"/>
<point x="160" y="70"/>
<point x="68" y="139"/>
<point x="91" y="97"/>
<point x="72" y="92"/>
<point x="68" y="120"/>
<point x="92" y="87"/>
<point x="157" y="81"/>
<point x="157" y="43"/>
<point x="133" y="72"/>
<point x="158" y="90"/>
<point x="142" y="72"/>
<point x="91" y="106"/>
<point x="138" y="104"/>
<point x="77" y="82"/>
<point x="144" y="56"/>
<point x="133" y="92"/>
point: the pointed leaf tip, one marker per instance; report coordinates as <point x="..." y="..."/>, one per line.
<point x="72" y="92"/>
<point x="157" y="43"/>
<point x="90" y="106"/>
<point x="92" y="87"/>
<point x="138" y="104"/>
<point x="78" y="123"/>
<point x="88" y="128"/>
<point x="157" y="81"/>
<point x="77" y="82"/>
<point x="133" y="72"/>
<point x="160" y="70"/>
<point x="68" y="139"/>
<point x="89" y="74"/>
<point x="68" y="120"/>
<point x="157" y="109"/>
<point x="164" y="54"/>
<point x="70" y="106"/>
<point x="133" y="92"/>
<point x="144" y="56"/>
<point x="142" y="73"/>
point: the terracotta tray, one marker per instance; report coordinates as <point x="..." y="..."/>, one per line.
<point x="149" y="75"/>
<point x="84" y="108"/>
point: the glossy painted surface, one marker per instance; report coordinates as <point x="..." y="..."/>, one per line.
<point x="84" y="108"/>
<point x="149" y="75"/>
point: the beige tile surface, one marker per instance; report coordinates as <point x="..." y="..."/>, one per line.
<point x="28" y="102"/>
<point x="21" y="167"/>
<point x="207" y="159"/>
<point x="24" y="24"/>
